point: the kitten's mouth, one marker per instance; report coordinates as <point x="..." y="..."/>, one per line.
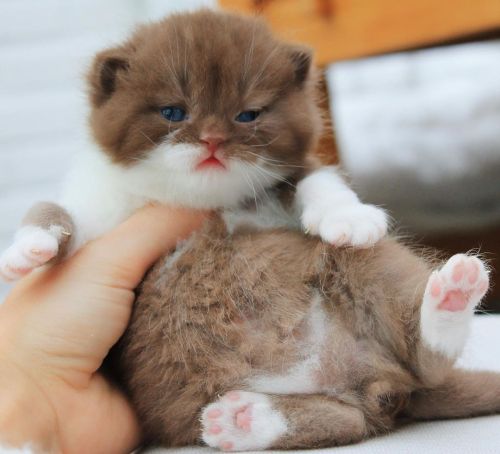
<point x="210" y="163"/>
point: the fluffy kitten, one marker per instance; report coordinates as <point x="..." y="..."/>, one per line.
<point x="252" y="335"/>
<point x="205" y="110"/>
<point x="248" y="337"/>
<point x="273" y="339"/>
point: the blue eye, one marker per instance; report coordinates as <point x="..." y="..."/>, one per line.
<point x="247" y="116"/>
<point x="172" y="113"/>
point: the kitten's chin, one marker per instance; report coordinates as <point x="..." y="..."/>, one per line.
<point x="207" y="188"/>
<point x="173" y="175"/>
<point x="216" y="185"/>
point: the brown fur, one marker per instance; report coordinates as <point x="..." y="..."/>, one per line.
<point x="214" y="65"/>
<point x="47" y="214"/>
<point x="334" y="422"/>
<point x="230" y="306"/>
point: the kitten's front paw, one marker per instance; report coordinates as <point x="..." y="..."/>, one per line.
<point x="32" y="247"/>
<point x="358" y="225"/>
<point x="242" y="421"/>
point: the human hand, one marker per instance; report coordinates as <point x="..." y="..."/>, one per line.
<point x="58" y="324"/>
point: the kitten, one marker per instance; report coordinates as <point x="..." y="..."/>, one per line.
<point x="252" y="335"/>
<point x="205" y="110"/>
<point x="272" y="339"/>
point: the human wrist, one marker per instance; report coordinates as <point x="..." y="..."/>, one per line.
<point x="26" y="416"/>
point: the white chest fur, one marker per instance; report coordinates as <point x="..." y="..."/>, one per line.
<point x="300" y="378"/>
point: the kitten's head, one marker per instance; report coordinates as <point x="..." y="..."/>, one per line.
<point x="210" y="101"/>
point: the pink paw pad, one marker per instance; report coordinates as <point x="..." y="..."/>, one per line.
<point x="226" y="445"/>
<point x="454" y="301"/>
<point x="435" y="287"/>
<point x="460" y="283"/>
<point x="40" y="255"/>
<point x="215" y="429"/>
<point x="244" y="418"/>
<point x="32" y="247"/>
<point x="241" y="421"/>
<point x="214" y="413"/>
<point x="458" y="271"/>
<point x="18" y="269"/>
<point x="473" y="272"/>
<point x="233" y="395"/>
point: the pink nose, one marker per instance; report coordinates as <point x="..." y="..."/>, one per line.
<point x="212" y="142"/>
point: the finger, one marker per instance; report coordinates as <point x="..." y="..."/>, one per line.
<point x="123" y="256"/>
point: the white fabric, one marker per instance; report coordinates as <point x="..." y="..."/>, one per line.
<point x="467" y="436"/>
<point x="419" y="133"/>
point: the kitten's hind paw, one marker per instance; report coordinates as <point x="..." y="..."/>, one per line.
<point x="242" y="421"/>
<point x="450" y="297"/>
<point x="32" y="247"/>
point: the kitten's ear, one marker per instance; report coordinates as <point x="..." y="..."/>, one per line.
<point x="302" y="60"/>
<point x="104" y="72"/>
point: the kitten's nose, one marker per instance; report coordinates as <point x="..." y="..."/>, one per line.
<point x="212" y="142"/>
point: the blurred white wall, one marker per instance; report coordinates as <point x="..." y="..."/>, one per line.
<point x="419" y="132"/>
<point x="45" y="48"/>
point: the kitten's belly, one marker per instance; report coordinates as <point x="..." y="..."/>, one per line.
<point x="297" y="333"/>
<point x="242" y="311"/>
<point x="302" y="377"/>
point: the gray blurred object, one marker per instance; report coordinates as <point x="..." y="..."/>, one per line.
<point x="419" y="132"/>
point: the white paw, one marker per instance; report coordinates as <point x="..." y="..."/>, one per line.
<point x="32" y="247"/>
<point x="450" y="297"/>
<point x="355" y="224"/>
<point x="242" y="421"/>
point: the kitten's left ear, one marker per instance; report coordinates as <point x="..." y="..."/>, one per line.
<point x="302" y="60"/>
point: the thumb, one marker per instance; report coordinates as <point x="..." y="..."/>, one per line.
<point x="121" y="257"/>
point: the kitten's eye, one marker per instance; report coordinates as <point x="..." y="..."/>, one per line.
<point x="247" y="116"/>
<point x="172" y="113"/>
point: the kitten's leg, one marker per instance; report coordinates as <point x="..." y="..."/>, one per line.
<point x="463" y="393"/>
<point x="51" y="232"/>
<point x="450" y="297"/>
<point x="44" y="236"/>
<point x="330" y="209"/>
<point x="241" y="421"/>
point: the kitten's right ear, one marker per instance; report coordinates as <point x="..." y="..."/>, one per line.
<point x="104" y="72"/>
<point x="302" y="58"/>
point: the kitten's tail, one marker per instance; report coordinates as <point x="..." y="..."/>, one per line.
<point x="463" y="393"/>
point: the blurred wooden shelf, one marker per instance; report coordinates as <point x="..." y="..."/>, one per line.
<point x="344" y="29"/>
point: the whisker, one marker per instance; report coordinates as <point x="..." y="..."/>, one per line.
<point x="249" y="54"/>
<point x="273" y="162"/>
<point x="148" y="138"/>
<point x="258" y="77"/>
<point x="266" y="144"/>
<point x="252" y="186"/>
<point x="272" y="174"/>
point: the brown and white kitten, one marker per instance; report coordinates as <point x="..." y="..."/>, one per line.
<point x="206" y="110"/>
<point x="245" y="337"/>
<point x="252" y="338"/>
<point x="274" y="339"/>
